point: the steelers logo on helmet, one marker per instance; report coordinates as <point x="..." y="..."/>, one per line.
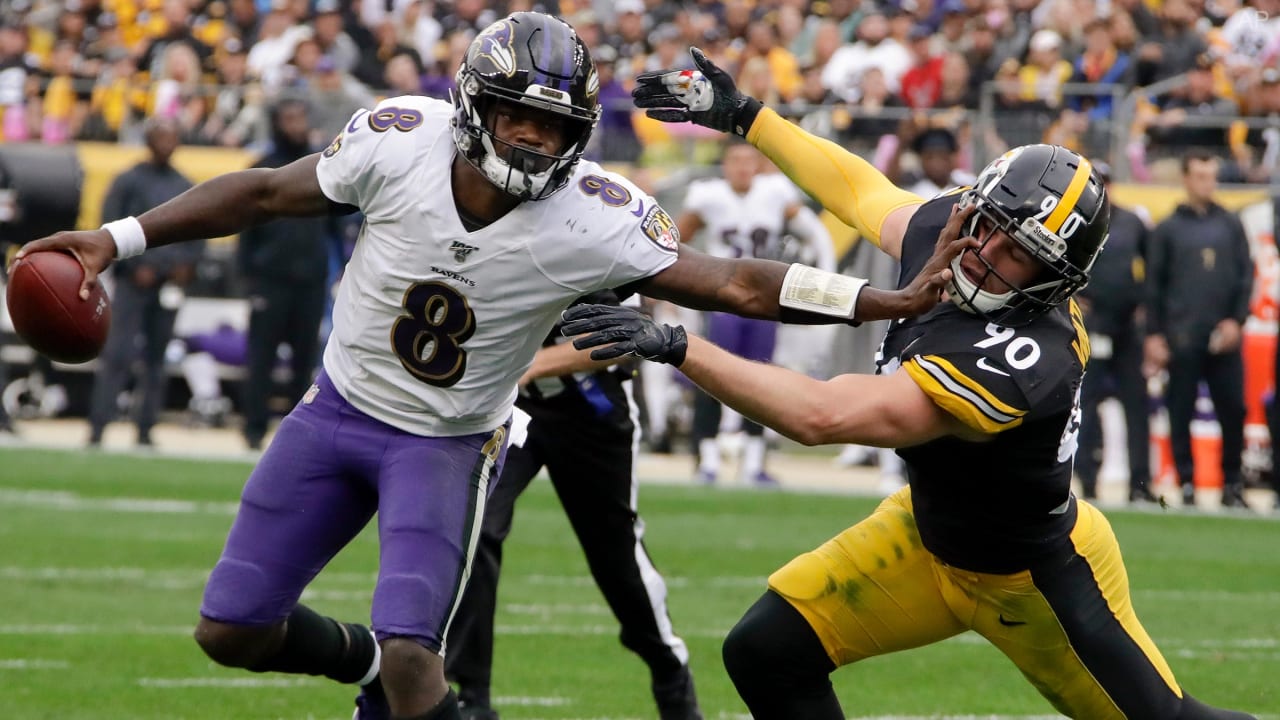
<point x="1052" y="203"/>
<point x="539" y="62"/>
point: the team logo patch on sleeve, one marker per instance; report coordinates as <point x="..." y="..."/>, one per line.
<point x="661" y="229"/>
<point x="334" y="147"/>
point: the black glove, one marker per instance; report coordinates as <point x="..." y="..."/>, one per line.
<point x="706" y="97"/>
<point x="630" y="332"/>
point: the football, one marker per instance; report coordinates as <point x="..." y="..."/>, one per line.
<point x="46" y="309"/>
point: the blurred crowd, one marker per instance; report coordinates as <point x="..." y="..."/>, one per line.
<point x="1063" y="71"/>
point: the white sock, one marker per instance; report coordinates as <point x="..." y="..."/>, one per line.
<point x="709" y="455"/>
<point x="753" y="448"/>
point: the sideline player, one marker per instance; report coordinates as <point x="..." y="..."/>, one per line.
<point x="481" y="226"/>
<point x="744" y="213"/>
<point x="982" y="397"/>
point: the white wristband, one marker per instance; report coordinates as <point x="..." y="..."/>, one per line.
<point x="127" y="232"/>
<point x="826" y="293"/>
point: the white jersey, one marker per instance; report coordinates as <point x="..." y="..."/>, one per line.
<point x="433" y="325"/>
<point x="743" y="225"/>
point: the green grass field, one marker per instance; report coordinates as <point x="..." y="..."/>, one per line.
<point x="103" y="559"/>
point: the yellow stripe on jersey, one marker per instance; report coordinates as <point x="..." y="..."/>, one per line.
<point x="1069" y="198"/>
<point x="849" y="187"/>
<point x="962" y="396"/>
<point x="1081" y="342"/>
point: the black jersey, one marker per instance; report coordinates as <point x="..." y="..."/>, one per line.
<point x="996" y="505"/>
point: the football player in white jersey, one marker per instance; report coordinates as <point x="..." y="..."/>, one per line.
<point x="744" y="213"/>
<point x="481" y="226"/>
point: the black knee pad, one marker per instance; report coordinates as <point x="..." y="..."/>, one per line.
<point x="772" y="646"/>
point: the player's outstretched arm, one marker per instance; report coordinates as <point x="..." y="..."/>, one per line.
<point x="221" y="206"/>
<point x="850" y="187"/>
<point x="803" y="295"/>
<point x="885" y="411"/>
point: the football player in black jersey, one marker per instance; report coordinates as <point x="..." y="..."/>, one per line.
<point x="981" y="397"/>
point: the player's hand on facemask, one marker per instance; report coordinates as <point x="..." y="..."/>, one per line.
<point x="929" y="286"/>
<point x="706" y="96"/>
<point x="617" y="331"/>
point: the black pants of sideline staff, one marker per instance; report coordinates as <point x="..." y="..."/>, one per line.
<point x="592" y="467"/>
<point x="280" y="311"/>
<point x="1118" y="376"/>
<point x="1224" y="374"/>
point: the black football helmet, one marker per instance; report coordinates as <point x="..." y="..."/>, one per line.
<point x="1052" y="202"/>
<point x="535" y="60"/>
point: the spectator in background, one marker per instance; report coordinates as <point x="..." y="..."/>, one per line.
<point x="110" y="104"/>
<point x="147" y="294"/>
<point x="922" y="84"/>
<point x="1168" y="131"/>
<point x="958" y="90"/>
<point x="331" y="38"/>
<point x="1199" y="284"/>
<point x="1256" y="150"/>
<point x="333" y="98"/>
<point x="64" y="105"/>
<point x="285" y="271"/>
<point x="236" y="118"/>
<point x="1174" y="48"/>
<point x="1045" y="71"/>
<point x="876" y="113"/>
<point x="1112" y="304"/>
<point x="629" y="38"/>
<point x="874" y="49"/>
<point x="370" y="68"/>
<point x="243" y="20"/>
<point x="762" y="42"/>
<point x="615" y="138"/>
<point x="176" y="93"/>
<point x="938" y="152"/>
<point x="403" y="75"/>
<point x="1100" y="63"/>
<point x="177" y="30"/>
<point x="438" y="81"/>
<point x="278" y="36"/>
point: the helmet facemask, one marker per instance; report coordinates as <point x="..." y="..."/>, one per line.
<point x="1057" y="280"/>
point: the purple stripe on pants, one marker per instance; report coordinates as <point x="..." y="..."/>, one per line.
<point x="328" y="469"/>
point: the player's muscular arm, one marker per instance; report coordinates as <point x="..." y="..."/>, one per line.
<point x="848" y="186"/>
<point x="880" y="410"/>
<point x="230" y="203"/>
<point x="753" y="288"/>
<point x="563" y="359"/>
<point x="224" y="205"/>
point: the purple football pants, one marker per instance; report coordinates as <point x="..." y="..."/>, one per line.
<point x="745" y="337"/>
<point x="329" y="468"/>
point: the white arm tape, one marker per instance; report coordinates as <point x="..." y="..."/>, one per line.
<point x="818" y="291"/>
<point x="128" y="235"/>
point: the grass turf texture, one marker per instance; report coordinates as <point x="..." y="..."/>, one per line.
<point x="104" y="558"/>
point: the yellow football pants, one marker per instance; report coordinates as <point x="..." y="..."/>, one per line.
<point x="1068" y="624"/>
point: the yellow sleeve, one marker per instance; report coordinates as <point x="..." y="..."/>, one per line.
<point x="846" y="185"/>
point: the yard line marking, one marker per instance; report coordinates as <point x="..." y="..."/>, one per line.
<point x="69" y="629"/>
<point x="217" y="682"/>
<point x="544" y="610"/>
<point x="530" y="701"/>
<point x="75" y="502"/>
<point x="28" y="664"/>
